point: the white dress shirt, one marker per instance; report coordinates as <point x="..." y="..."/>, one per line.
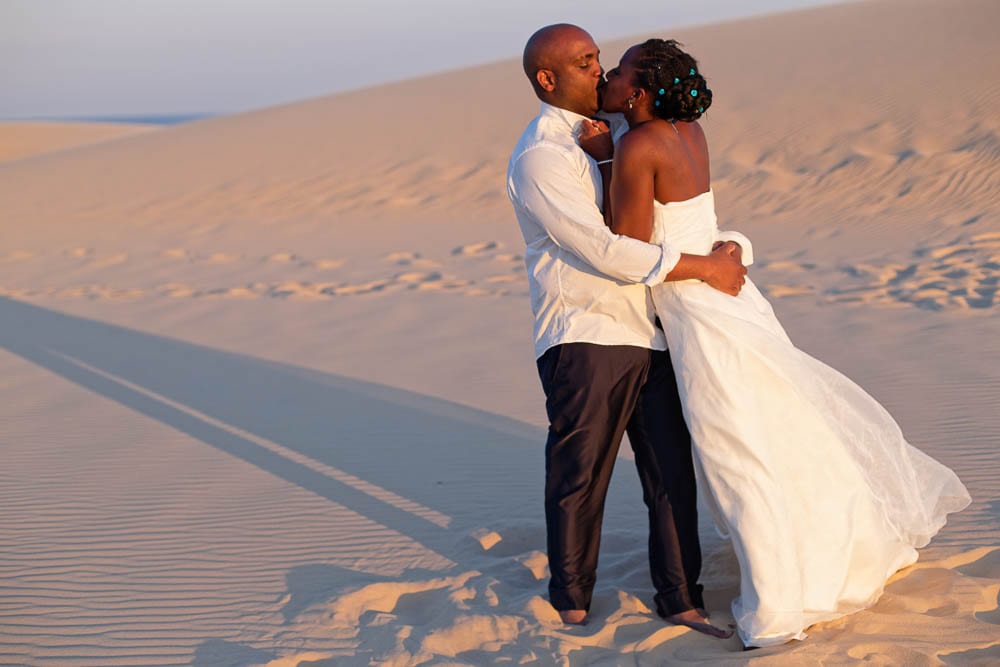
<point x="587" y="284"/>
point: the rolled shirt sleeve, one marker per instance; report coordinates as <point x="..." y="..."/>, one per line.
<point x="544" y="181"/>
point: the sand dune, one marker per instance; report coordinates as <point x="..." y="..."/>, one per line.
<point x="19" y="140"/>
<point x="268" y="395"/>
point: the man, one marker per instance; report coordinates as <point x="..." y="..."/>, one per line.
<point x="601" y="357"/>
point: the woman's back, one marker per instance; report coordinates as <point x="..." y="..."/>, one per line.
<point x="680" y="162"/>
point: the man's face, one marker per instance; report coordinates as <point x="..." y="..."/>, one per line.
<point x="579" y="77"/>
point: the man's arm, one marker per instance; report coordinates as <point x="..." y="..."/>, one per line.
<point x="543" y="182"/>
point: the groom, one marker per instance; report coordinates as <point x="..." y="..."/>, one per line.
<point x="601" y="357"/>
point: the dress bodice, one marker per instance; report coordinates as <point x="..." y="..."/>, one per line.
<point x="688" y="226"/>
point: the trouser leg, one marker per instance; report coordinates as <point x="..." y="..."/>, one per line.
<point x="662" y="446"/>
<point x="590" y="392"/>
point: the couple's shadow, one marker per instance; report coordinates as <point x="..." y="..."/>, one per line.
<point x="388" y="454"/>
<point x="431" y="470"/>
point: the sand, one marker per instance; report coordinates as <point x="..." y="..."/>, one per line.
<point x="267" y="386"/>
<point x="20" y="140"/>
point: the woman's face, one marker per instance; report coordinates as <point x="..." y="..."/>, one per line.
<point x="620" y="84"/>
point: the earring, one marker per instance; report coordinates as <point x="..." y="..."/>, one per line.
<point x="629" y="103"/>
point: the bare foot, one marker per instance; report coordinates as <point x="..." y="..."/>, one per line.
<point x="695" y="620"/>
<point x="573" y="616"/>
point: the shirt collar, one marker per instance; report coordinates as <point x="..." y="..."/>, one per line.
<point x="570" y="120"/>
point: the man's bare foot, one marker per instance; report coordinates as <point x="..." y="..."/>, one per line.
<point x="573" y="616"/>
<point x="695" y="620"/>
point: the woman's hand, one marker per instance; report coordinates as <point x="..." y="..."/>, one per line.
<point x="595" y="139"/>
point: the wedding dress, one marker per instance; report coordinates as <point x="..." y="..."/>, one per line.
<point x="808" y="475"/>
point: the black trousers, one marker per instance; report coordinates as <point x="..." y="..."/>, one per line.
<point x="595" y="393"/>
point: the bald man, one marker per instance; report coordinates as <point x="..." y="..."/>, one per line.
<point x="602" y="358"/>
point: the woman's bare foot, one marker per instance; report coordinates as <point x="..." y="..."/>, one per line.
<point x="695" y="620"/>
<point x="573" y="616"/>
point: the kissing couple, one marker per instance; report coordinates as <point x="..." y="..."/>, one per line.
<point x="645" y="323"/>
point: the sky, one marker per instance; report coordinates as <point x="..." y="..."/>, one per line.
<point x="92" y="58"/>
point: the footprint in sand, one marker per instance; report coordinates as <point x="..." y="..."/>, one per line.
<point x="302" y="291"/>
<point x="961" y="275"/>
<point x="222" y="258"/>
<point x="110" y="260"/>
<point x="508" y="257"/>
<point x="402" y="257"/>
<point x="987" y="238"/>
<point x="506" y="278"/>
<point x="176" y="290"/>
<point x="788" y="266"/>
<point x="445" y="283"/>
<point x="359" y="288"/>
<point x="17" y="255"/>
<point x="414" y="278"/>
<point x="176" y="253"/>
<point x="414" y="259"/>
<point x="476" y="249"/>
<point x="327" y="264"/>
<point x="241" y="293"/>
<point x="80" y="252"/>
<point x="780" y="291"/>
<point x="99" y="292"/>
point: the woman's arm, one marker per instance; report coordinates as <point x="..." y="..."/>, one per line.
<point x="595" y="140"/>
<point x="632" y="194"/>
<point x="628" y="207"/>
<point x="606" y="169"/>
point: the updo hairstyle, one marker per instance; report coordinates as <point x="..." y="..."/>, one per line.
<point x="671" y="76"/>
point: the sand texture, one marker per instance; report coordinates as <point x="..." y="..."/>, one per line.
<point x="267" y="394"/>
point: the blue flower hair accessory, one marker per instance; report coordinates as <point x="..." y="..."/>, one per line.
<point x="657" y="102"/>
<point x="694" y="93"/>
<point x="662" y="92"/>
<point x="677" y="80"/>
<point x="692" y="72"/>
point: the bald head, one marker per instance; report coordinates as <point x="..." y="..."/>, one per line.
<point x="545" y="47"/>
<point x="562" y="62"/>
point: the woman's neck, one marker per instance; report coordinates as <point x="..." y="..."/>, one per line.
<point x="637" y="117"/>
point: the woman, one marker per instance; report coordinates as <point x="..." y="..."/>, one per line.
<point x="809" y="476"/>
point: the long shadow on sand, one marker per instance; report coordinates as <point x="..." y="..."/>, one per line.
<point x="368" y="434"/>
<point x="387" y="454"/>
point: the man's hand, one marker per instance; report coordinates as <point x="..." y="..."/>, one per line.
<point x="595" y="139"/>
<point x="727" y="271"/>
<point x="738" y="248"/>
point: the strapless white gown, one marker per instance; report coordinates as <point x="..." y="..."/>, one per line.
<point x="808" y="475"/>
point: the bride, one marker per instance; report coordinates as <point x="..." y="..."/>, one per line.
<point x="808" y="475"/>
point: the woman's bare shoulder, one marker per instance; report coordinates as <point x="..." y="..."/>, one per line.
<point x="636" y="143"/>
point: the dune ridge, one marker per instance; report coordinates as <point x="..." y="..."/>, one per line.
<point x="20" y="140"/>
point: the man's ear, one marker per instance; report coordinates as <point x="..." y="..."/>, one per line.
<point x="546" y="79"/>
